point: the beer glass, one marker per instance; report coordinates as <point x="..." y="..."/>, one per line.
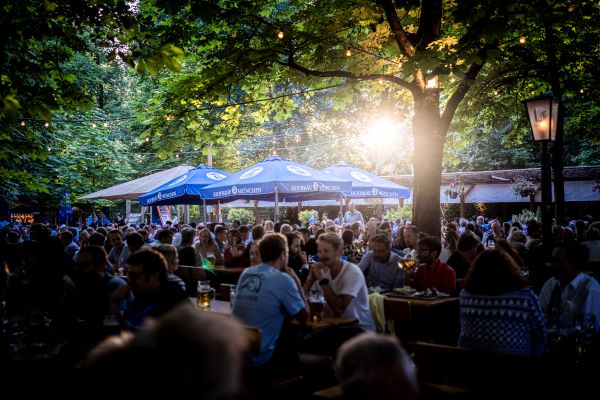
<point x="205" y="294"/>
<point x="316" y="303"/>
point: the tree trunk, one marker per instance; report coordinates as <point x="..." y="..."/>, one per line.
<point x="429" y="146"/>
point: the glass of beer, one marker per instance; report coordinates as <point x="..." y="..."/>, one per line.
<point x="205" y="294"/>
<point x="316" y="303"/>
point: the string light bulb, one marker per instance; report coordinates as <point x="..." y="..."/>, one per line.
<point x="147" y="138"/>
<point x="49" y="148"/>
<point x="105" y="124"/>
<point x="348" y="52"/>
<point x="522" y="39"/>
<point x="46" y="124"/>
<point x="581" y="90"/>
<point x="176" y="155"/>
<point x="94" y="125"/>
<point x="280" y="34"/>
<point x="23" y="123"/>
<point x="169" y="117"/>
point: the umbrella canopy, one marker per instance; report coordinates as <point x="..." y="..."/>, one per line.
<point x="184" y="189"/>
<point x="277" y="179"/>
<point x="133" y="189"/>
<point x="367" y="185"/>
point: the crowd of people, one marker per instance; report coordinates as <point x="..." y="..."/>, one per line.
<point x="101" y="278"/>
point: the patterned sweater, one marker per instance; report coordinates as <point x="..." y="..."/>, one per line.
<point x="510" y="323"/>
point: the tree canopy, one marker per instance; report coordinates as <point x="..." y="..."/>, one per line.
<point x="247" y="77"/>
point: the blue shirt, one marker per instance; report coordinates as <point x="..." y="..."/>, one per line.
<point x="264" y="297"/>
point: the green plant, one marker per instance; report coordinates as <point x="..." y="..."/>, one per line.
<point x="454" y="189"/>
<point x="241" y="214"/>
<point x="527" y="215"/>
<point x="405" y="213"/>
<point x="524" y="186"/>
<point x="306" y="215"/>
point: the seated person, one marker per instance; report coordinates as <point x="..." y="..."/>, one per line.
<point x="297" y="258"/>
<point x="342" y="283"/>
<point x="268" y="293"/>
<point x="432" y="273"/>
<point x="153" y="293"/>
<point x="200" y="351"/>
<point x="466" y="251"/>
<point x="570" y="293"/>
<point x="235" y="250"/>
<point x="380" y="264"/>
<point x="371" y="366"/>
<point x="498" y="312"/>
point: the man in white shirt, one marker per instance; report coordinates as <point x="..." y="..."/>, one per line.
<point x="342" y="283"/>
<point x="570" y="293"/>
<point x="353" y="215"/>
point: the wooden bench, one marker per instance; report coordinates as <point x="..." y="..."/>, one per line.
<point x="190" y="276"/>
<point x="455" y="372"/>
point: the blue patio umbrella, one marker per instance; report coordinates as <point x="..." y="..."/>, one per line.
<point x="184" y="189"/>
<point x="277" y="179"/>
<point x="367" y="185"/>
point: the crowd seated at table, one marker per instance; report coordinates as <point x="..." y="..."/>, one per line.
<point x="78" y="285"/>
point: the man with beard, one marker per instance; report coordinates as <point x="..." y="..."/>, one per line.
<point x="432" y="273"/>
<point x="153" y="293"/>
<point x="93" y="287"/>
<point x="381" y="265"/>
<point x="342" y="283"/>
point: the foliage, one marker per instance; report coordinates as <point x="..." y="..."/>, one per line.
<point x="243" y="215"/>
<point x="305" y="215"/>
<point x="454" y="189"/>
<point x="526" y="215"/>
<point x="38" y="42"/>
<point x="596" y="187"/>
<point x="404" y="213"/>
<point x="524" y="186"/>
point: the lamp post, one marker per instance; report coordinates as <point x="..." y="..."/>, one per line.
<point x="543" y="115"/>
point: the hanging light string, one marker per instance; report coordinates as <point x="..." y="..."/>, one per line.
<point x="23" y="121"/>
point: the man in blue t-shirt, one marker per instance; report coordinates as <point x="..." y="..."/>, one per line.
<point x="268" y="293"/>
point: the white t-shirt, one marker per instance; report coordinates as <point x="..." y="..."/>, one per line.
<point x="351" y="281"/>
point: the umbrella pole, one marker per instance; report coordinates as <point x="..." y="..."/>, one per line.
<point x="205" y="213"/>
<point x="341" y="217"/>
<point x="276" y="203"/>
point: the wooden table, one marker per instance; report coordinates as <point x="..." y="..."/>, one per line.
<point x="216" y="306"/>
<point x="224" y="308"/>
<point x="424" y="318"/>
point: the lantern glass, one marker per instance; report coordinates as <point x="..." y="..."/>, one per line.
<point x="543" y="117"/>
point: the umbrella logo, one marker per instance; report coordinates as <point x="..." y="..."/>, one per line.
<point x="360" y="176"/>
<point x="178" y="180"/>
<point x="297" y="170"/>
<point x="215" y="176"/>
<point x="315" y="186"/>
<point x="251" y="172"/>
<point x="234" y="189"/>
<point x="159" y="195"/>
<point x="374" y="191"/>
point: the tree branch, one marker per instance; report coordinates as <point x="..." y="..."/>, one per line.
<point x="459" y="94"/>
<point x="430" y="23"/>
<point x="400" y="34"/>
<point x="348" y="75"/>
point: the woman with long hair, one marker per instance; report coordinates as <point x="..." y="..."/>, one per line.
<point x="498" y="312"/>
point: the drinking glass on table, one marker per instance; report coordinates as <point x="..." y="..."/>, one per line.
<point x="205" y="294"/>
<point x="316" y="303"/>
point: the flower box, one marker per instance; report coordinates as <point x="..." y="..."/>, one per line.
<point x="524" y="187"/>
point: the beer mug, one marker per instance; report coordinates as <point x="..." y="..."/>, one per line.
<point x="316" y="303"/>
<point x="205" y="294"/>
